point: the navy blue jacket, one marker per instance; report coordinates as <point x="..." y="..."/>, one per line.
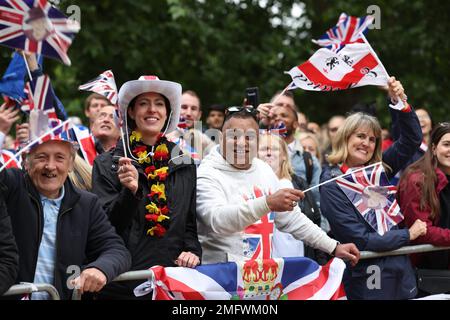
<point x="396" y="132"/>
<point x="347" y="225"/>
<point x="84" y="238"/>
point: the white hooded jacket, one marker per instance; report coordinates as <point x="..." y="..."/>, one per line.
<point x="223" y="212"/>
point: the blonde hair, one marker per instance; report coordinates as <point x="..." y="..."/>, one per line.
<point x="81" y="175"/>
<point x="286" y="170"/>
<point x="351" y="124"/>
<point x="307" y="135"/>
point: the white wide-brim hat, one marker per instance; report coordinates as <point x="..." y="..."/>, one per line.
<point x="171" y="90"/>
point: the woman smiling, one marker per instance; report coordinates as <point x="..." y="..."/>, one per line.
<point x="150" y="195"/>
<point x="358" y="144"/>
<point x="425" y="194"/>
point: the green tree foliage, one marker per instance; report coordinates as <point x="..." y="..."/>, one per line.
<point x="218" y="48"/>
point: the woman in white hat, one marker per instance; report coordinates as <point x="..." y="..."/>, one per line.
<point x="147" y="185"/>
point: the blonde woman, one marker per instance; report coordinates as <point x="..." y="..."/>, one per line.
<point x="274" y="151"/>
<point x="81" y="176"/>
<point x="310" y="143"/>
<point x="358" y="144"/>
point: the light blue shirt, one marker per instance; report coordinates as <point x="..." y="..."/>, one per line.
<point x="45" y="267"/>
<point x="295" y="150"/>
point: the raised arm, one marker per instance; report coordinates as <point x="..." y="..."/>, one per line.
<point x="407" y="130"/>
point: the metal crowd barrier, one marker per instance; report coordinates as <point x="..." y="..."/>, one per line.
<point x="402" y="251"/>
<point x="148" y="274"/>
<point x="127" y="276"/>
<point x="27" y="288"/>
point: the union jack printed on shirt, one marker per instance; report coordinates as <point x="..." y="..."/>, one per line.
<point x="347" y="31"/>
<point x="35" y="26"/>
<point x="258" y="236"/>
<point x="104" y="84"/>
<point x="372" y="195"/>
<point x="40" y="97"/>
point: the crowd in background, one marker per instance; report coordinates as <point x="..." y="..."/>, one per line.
<point x="135" y="206"/>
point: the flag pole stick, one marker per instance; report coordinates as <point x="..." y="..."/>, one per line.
<point x="28" y="67"/>
<point x="122" y="132"/>
<point x="341" y="176"/>
<point x="282" y="93"/>
<point x="123" y="140"/>
<point x="27" y="147"/>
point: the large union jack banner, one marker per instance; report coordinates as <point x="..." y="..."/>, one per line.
<point x="270" y="279"/>
<point x="104" y="85"/>
<point x="347" y="31"/>
<point x="35" y="26"/>
<point x="372" y="195"/>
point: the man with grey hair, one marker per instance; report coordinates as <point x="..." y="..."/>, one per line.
<point x="58" y="226"/>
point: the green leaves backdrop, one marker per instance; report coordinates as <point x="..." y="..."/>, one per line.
<point x="218" y="48"/>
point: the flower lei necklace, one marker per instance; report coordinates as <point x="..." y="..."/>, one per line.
<point x="155" y="163"/>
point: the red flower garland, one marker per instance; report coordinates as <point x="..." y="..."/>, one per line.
<point x="156" y="170"/>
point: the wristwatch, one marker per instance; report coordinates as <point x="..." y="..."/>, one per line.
<point x="334" y="251"/>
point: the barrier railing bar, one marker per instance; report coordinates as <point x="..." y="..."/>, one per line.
<point x="31" y="288"/>
<point x="127" y="276"/>
<point x="135" y="275"/>
<point x="402" y="251"/>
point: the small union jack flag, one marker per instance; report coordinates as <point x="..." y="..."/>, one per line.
<point x="40" y="97"/>
<point x="182" y="124"/>
<point x="372" y="195"/>
<point x="58" y="131"/>
<point x="348" y="30"/>
<point x="7" y="156"/>
<point x="35" y="26"/>
<point x="86" y="143"/>
<point x="104" y="85"/>
<point x="279" y="129"/>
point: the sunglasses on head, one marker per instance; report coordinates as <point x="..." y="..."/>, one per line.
<point x="247" y="109"/>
